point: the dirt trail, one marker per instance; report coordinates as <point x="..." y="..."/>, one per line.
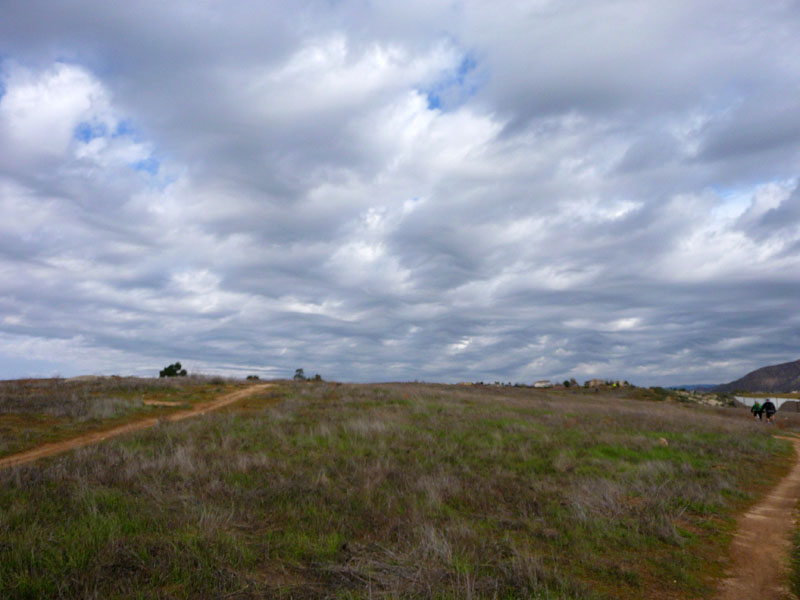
<point x="762" y="543"/>
<point x="99" y="436"/>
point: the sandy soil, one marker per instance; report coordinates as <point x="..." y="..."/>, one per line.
<point x="762" y="542"/>
<point x="99" y="436"/>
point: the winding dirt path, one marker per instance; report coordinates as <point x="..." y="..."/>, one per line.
<point x="98" y="436"/>
<point x="762" y="543"/>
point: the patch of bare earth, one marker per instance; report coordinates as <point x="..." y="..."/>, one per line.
<point x="762" y="543"/>
<point x="99" y="436"/>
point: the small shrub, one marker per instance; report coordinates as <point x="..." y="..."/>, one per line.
<point x="173" y="370"/>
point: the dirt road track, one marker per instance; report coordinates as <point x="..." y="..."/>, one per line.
<point x="762" y="542"/>
<point x="98" y="436"/>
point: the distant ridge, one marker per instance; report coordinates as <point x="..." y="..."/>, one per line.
<point x="697" y="387"/>
<point x="773" y="379"/>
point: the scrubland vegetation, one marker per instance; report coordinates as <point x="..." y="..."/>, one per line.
<point x="795" y="565"/>
<point x="393" y="491"/>
<point x="34" y="411"/>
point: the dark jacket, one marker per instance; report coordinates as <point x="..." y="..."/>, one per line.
<point x="768" y="407"/>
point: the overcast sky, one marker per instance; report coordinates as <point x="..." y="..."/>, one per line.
<point x="433" y="190"/>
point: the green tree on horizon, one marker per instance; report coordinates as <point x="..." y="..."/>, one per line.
<point x="173" y="370"/>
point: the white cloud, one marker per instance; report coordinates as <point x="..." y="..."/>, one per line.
<point x="39" y="112"/>
<point x="328" y="74"/>
<point x="431" y="190"/>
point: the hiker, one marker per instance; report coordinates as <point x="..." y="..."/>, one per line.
<point x="757" y="411"/>
<point x="769" y="408"/>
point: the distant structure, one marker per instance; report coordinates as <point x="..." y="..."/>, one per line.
<point x="781" y="403"/>
<point x="543" y="383"/>
<point x="595" y="383"/>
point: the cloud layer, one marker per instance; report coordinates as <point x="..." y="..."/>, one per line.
<point x="439" y="190"/>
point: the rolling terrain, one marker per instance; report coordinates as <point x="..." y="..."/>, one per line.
<point x="774" y="379"/>
<point x="325" y="490"/>
<point x="38" y="411"/>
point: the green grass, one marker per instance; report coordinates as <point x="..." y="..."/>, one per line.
<point x="794" y="574"/>
<point x="37" y="411"/>
<point x="412" y="491"/>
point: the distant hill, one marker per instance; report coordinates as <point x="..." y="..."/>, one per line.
<point x="773" y="379"/>
<point x="698" y="387"/>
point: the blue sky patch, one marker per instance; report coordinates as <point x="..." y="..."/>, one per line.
<point x="434" y="100"/>
<point x="124" y="127"/>
<point x="467" y="65"/>
<point x="149" y="165"/>
<point x="86" y="131"/>
<point x="455" y="86"/>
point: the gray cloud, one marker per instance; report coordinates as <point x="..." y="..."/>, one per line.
<point x="437" y="191"/>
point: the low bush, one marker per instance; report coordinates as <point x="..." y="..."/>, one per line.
<point x="173" y="370"/>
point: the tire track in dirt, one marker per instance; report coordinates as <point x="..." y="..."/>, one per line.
<point x="99" y="436"/>
<point x="762" y="543"/>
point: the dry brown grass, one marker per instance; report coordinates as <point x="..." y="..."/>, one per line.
<point x="35" y="411"/>
<point x="390" y="491"/>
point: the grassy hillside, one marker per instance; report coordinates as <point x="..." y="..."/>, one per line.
<point x="36" y="411"/>
<point x="384" y="491"/>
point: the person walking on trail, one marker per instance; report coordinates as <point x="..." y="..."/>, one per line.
<point x="769" y="409"/>
<point x="757" y="411"/>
